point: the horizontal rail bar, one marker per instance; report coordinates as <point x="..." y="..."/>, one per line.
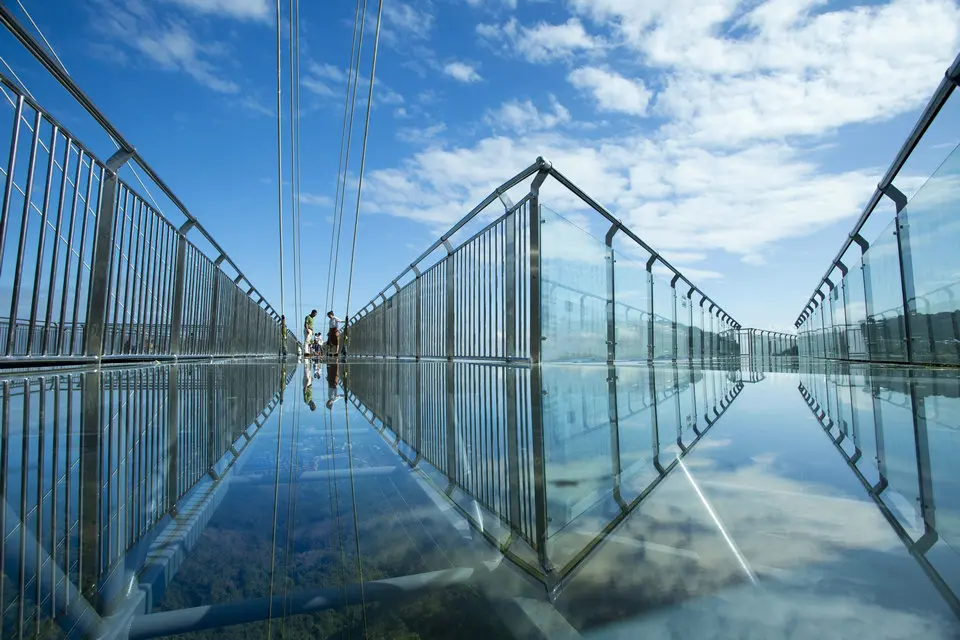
<point x="936" y="102"/>
<point x="38" y="52"/>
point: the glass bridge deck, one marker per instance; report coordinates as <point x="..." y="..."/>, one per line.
<point x="440" y="500"/>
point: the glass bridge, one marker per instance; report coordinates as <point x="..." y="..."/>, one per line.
<point x="539" y="429"/>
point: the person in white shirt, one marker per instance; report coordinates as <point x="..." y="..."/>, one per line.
<point x="333" y="334"/>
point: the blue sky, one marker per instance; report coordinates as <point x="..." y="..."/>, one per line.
<point x="738" y="137"/>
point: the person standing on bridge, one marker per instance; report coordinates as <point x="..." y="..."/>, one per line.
<point x="333" y="334"/>
<point x="308" y="331"/>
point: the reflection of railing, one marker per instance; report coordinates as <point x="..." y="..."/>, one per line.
<point x="857" y="430"/>
<point x="478" y="434"/>
<point x="483" y="299"/>
<point x="91" y="463"/>
<point x="78" y="246"/>
<point x="908" y="332"/>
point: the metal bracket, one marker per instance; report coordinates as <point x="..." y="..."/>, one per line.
<point x="504" y="200"/>
<point x="219" y="260"/>
<point x="416" y="271"/>
<point x="705" y="298"/>
<point x="447" y="246"/>
<point x="829" y="283"/>
<point x="251" y="290"/>
<point x="691" y="292"/>
<point x="238" y="279"/>
<point x="186" y="226"/>
<point x="864" y="245"/>
<point x="650" y="262"/>
<point x="118" y="159"/>
<point x="612" y="231"/>
<point x="396" y="286"/>
<point x="382" y="296"/>
<point x="843" y="269"/>
<point x="896" y="195"/>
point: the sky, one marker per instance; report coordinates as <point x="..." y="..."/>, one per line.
<point x="739" y="138"/>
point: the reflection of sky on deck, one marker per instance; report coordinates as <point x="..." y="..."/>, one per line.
<point x="676" y="502"/>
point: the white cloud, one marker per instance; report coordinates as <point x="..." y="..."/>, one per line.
<point x="328" y="80"/>
<point x="542" y="42"/>
<point x="612" y="91"/>
<point x="462" y="72"/>
<point x="420" y="134"/>
<point x="402" y="18"/>
<point x="317" y="200"/>
<point x="168" y="42"/>
<point x="521" y="117"/>
<point x="259" y="10"/>
<point x="796" y="72"/>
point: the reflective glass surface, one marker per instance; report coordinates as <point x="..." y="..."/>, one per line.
<point x="434" y="499"/>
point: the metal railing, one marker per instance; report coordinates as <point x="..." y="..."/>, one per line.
<point x="91" y="464"/>
<point x="760" y="343"/>
<point x="81" y="248"/>
<point x="860" y="407"/>
<point x="487" y="435"/>
<point x="483" y="298"/>
<point x="839" y="320"/>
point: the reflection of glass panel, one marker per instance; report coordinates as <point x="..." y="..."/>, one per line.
<point x="668" y="412"/>
<point x="573" y="272"/>
<point x="864" y="426"/>
<point x="899" y="441"/>
<point x="932" y="231"/>
<point x="635" y="425"/>
<point x="885" y="325"/>
<point x="576" y="427"/>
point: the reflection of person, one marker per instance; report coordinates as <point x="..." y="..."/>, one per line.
<point x="333" y="377"/>
<point x="308" y="385"/>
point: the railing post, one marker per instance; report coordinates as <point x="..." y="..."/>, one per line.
<point x="536" y="303"/>
<point x="176" y="307"/>
<point x="510" y="287"/>
<point x="95" y="330"/>
<point x="676" y="345"/>
<point x="867" y="293"/>
<point x="417" y="329"/>
<point x="905" y="257"/>
<point x="611" y="299"/>
<point x="651" y="337"/>
<point x="449" y="312"/>
<point x="212" y="342"/>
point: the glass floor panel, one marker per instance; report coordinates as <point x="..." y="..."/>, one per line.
<point x="390" y="499"/>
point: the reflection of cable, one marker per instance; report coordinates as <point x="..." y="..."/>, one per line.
<point x="273" y="543"/>
<point x="291" y="514"/>
<point x="335" y="499"/>
<point x="356" y="526"/>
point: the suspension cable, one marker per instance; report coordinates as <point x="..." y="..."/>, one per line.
<point x="328" y="304"/>
<point x="363" y="157"/>
<point x="293" y="174"/>
<point x="53" y="52"/>
<point x="299" y="181"/>
<point x="280" y="156"/>
<point x="346" y="163"/>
